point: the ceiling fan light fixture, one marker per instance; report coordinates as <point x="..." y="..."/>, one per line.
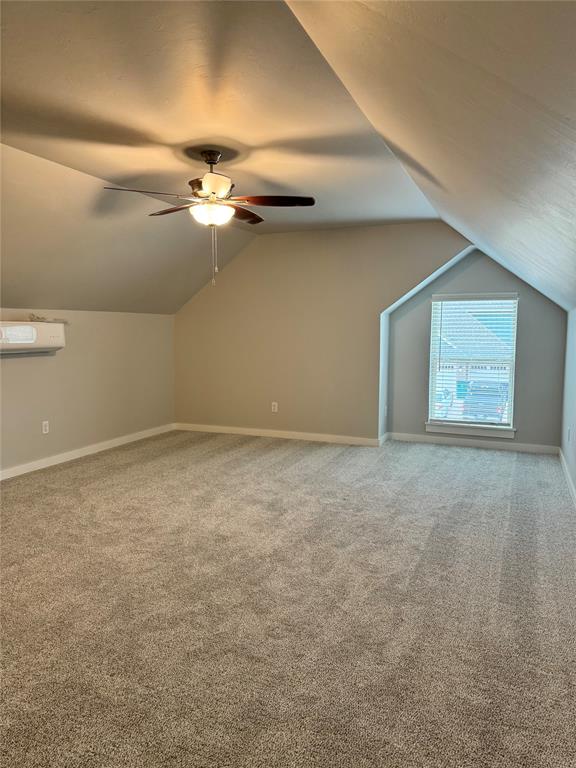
<point x="212" y="214"/>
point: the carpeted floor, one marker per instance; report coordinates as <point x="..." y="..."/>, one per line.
<point x="212" y="601"/>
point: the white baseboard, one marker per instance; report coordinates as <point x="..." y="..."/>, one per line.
<point x="569" y="479"/>
<point x="470" y="442"/>
<point x="78" y="453"/>
<point x="87" y="450"/>
<point x="315" y="437"/>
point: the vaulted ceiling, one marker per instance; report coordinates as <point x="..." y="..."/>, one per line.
<point x="384" y="111"/>
<point x="480" y="97"/>
<point x="120" y="89"/>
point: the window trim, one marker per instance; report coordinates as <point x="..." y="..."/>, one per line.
<point x="475" y="297"/>
<point x="472" y="428"/>
<point x="469" y="428"/>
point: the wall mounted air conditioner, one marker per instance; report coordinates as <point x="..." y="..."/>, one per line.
<point x="22" y="337"/>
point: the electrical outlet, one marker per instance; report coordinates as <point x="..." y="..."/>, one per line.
<point x="45" y="427"/>
<point x="274" y="407"/>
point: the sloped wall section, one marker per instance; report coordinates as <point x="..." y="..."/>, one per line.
<point x="69" y="244"/>
<point x="478" y="101"/>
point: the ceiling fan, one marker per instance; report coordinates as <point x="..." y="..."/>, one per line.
<point x="211" y="201"/>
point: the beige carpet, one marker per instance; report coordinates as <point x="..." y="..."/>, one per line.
<point x="213" y="601"/>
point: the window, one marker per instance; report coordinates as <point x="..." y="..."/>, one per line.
<point x="472" y="360"/>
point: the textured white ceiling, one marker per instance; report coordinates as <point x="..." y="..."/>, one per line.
<point x="479" y="99"/>
<point x="117" y="89"/>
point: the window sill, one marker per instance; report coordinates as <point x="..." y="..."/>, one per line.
<point x="488" y="430"/>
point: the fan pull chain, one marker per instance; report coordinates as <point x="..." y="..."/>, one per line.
<point x="214" y="247"/>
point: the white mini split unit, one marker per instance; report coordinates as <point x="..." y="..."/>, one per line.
<point x="24" y="338"/>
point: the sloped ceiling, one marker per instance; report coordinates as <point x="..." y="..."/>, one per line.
<point x="481" y="97"/>
<point x="63" y="249"/>
<point x="478" y="101"/>
<point x="118" y="90"/>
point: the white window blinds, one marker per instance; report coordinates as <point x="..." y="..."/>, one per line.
<point x="472" y="359"/>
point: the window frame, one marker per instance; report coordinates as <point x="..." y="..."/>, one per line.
<point x="469" y="427"/>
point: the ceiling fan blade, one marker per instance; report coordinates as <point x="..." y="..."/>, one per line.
<point x="277" y="200"/>
<point x="149" y="192"/>
<point x="243" y="214"/>
<point x="172" y="210"/>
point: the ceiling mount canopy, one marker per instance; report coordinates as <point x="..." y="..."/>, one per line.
<point x="225" y="153"/>
<point x="211" y="156"/>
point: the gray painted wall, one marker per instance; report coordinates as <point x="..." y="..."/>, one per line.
<point x="569" y="419"/>
<point x="295" y="318"/>
<point x="539" y="362"/>
<point x="114" y="377"/>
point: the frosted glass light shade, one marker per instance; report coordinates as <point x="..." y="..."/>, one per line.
<point x="212" y="214"/>
<point x="216" y="184"/>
